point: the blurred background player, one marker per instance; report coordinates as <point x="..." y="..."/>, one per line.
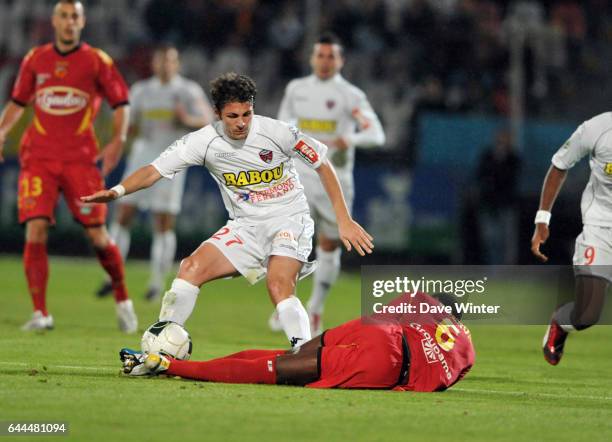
<point x="405" y="352"/>
<point x="65" y="82"/>
<point x="162" y="108"/>
<point x="593" y="250"/>
<point x="326" y="106"/>
<point x="269" y="233"/>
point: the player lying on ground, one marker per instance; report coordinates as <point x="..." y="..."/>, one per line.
<point x="593" y="250"/>
<point x="270" y="230"/>
<point x="418" y="352"/>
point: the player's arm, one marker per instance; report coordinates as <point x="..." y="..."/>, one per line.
<point x="11" y="113"/>
<point x="198" y="115"/>
<point x="351" y="233"/>
<point x="111" y="153"/>
<point x="370" y="134"/>
<point x="550" y="190"/>
<point x="142" y="178"/>
<point x="581" y="143"/>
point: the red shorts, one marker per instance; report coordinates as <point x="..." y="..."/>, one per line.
<point x="357" y="355"/>
<point x="40" y="183"/>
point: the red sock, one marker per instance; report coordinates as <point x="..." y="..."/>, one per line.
<point x="254" y="354"/>
<point x="36" y="264"/>
<point x="110" y="258"/>
<point x="232" y="371"/>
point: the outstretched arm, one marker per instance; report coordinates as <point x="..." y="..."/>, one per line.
<point x="550" y="189"/>
<point x="351" y="233"/>
<point x="10" y="115"/>
<point x="141" y="179"/>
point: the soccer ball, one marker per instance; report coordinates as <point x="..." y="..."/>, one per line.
<point x="168" y="338"/>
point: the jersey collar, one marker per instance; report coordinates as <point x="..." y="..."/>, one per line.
<point x="65" y="54"/>
<point x="253" y="130"/>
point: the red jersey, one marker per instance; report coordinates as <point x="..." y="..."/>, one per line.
<point x="441" y="350"/>
<point x="66" y="90"/>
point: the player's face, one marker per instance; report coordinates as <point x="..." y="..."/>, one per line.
<point x="68" y="21"/>
<point x="326" y="60"/>
<point x="236" y="118"/>
<point x="166" y="64"/>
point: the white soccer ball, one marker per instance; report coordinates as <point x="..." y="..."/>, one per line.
<point x="168" y="338"/>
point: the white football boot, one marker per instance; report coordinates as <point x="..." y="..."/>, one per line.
<point x="126" y="316"/>
<point x="38" y="322"/>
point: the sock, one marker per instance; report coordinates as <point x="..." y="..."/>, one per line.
<point x="294" y="319"/>
<point x="235" y="371"/>
<point x="325" y="275"/>
<point x="111" y="261"/>
<point x="36" y="265"/>
<point x="122" y="238"/>
<point x="254" y="354"/>
<point x="563" y="316"/>
<point x="179" y="301"/>
<point x="163" y="250"/>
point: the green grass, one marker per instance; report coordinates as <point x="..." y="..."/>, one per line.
<point x="72" y="374"/>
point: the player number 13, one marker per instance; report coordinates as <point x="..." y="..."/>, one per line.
<point x="31" y="187"/>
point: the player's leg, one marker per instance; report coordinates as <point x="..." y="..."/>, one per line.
<point x="205" y="264"/>
<point x="37" y="195"/>
<point x="281" y="283"/>
<point x="328" y="254"/>
<point x="120" y="233"/>
<point x="593" y="270"/>
<point x="163" y="250"/>
<point x="109" y="257"/>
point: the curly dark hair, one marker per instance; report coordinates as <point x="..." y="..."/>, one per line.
<point x="232" y="88"/>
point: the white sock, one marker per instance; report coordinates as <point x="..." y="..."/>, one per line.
<point x="122" y="238"/>
<point x="294" y="319"/>
<point x="163" y="250"/>
<point x="563" y="316"/>
<point x="327" y="272"/>
<point x="179" y="301"/>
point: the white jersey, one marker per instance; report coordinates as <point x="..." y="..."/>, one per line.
<point x="256" y="176"/>
<point x="593" y="137"/>
<point x="324" y="109"/>
<point x="153" y="109"/>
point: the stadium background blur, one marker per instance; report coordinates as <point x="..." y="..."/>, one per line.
<point x="445" y="77"/>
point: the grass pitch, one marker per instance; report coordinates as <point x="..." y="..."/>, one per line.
<point x="72" y="374"/>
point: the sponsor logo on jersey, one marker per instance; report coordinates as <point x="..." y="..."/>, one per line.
<point x="322" y="126"/>
<point x="225" y="154"/>
<point x="306" y="152"/>
<point x="608" y="169"/>
<point x="41" y="78"/>
<point x="431" y="350"/>
<point x="61" y="100"/>
<point x="266" y="156"/>
<point x="249" y="177"/>
<point x="330" y="104"/>
<point x="275" y="191"/>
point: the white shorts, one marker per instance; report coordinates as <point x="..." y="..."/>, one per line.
<point x="321" y="207"/>
<point x="249" y="246"/>
<point x="165" y="196"/>
<point x="593" y="252"/>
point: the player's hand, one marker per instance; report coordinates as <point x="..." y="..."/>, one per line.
<point x="2" y="141"/>
<point x="110" y="156"/>
<point x="363" y="122"/>
<point x="340" y="143"/>
<point x="353" y="235"/>
<point x="101" y="196"/>
<point x="540" y="235"/>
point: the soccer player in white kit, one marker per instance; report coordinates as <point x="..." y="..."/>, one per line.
<point x="270" y="230"/>
<point x="593" y="250"/>
<point x="326" y="106"/>
<point x="164" y="107"/>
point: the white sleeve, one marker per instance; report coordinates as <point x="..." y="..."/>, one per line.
<point x="298" y="145"/>
<point x="580" y="144"/>
<point x="285" y="112"/>
<point x="184" y="152"/>
<point x="373" y="135"/>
